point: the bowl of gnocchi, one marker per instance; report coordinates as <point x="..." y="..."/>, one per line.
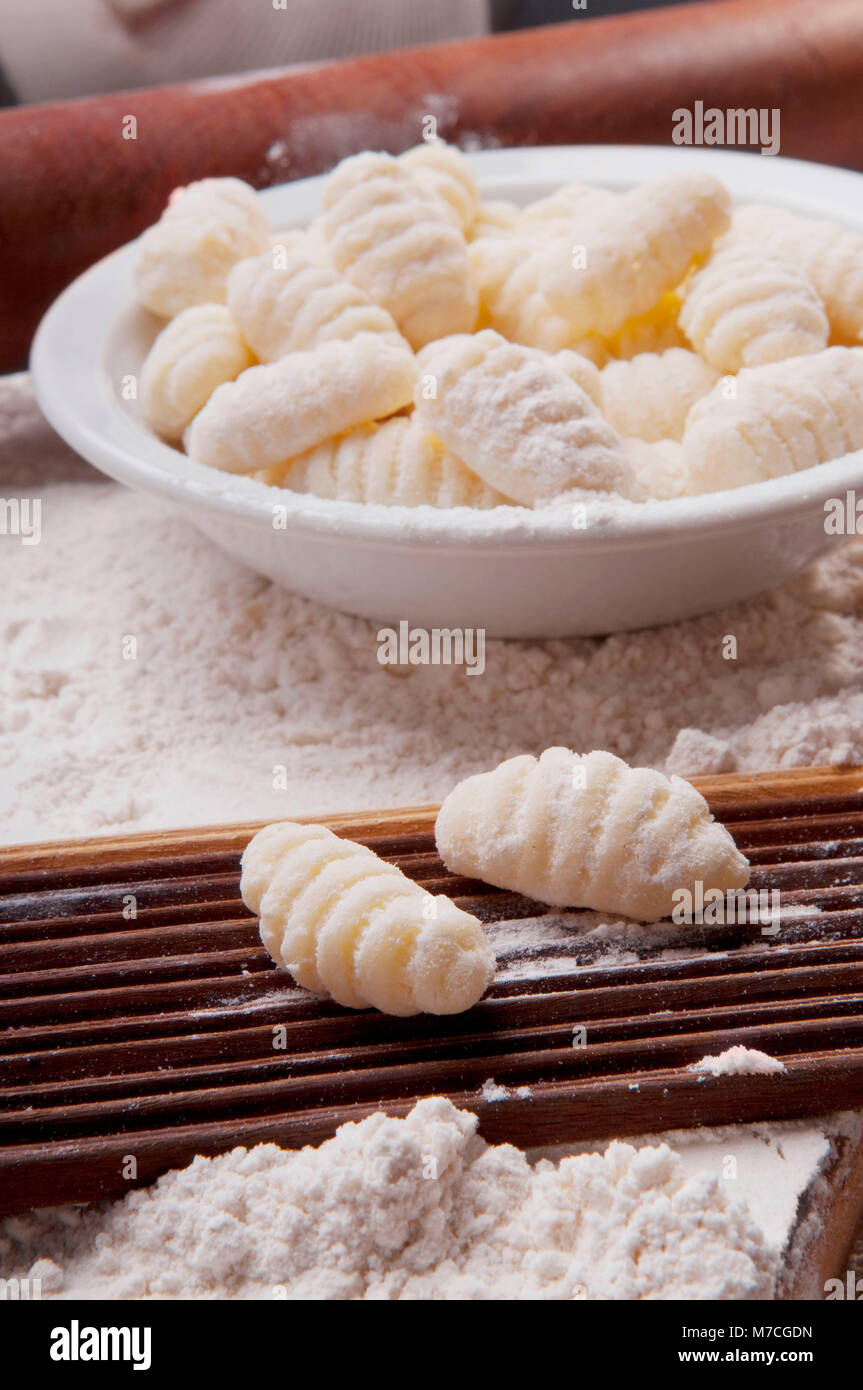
<point x="543" y="392"/>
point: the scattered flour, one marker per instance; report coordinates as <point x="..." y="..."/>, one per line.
<point x="234" y="677"/>
<point x="492" y="1090"/>
<point x="739" y="1061"/>
<point x="419" y="1208"/>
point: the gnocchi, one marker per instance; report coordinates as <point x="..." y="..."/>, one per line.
<point x="587" y="831"/>
<point x="274" y="411"/>
<point x="352" y="927"/>
<point x="650" y="396"/>
<point x="517" y="419"/>
<point x="287" y="302"/>
<point x="206" y="228"/>
<point x="197" y="351"/>
<point x="830" y="255"/>
<point x="633" y="252"/>
<point x="780" y="418"/>
<point x="393" y="240"/>
<point x="749" y="306"/>
<point x="447" y="173"/>
<point x="395" y="463"/>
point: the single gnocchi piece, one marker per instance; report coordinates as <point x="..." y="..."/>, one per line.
<point x="564" y="209"/>
<point x="392" y="238"/>
<point x="660" y="469"/>
<point x="583" y="372"/>
<point x="749" y="306"/>
<point x="830" y="255"/>
<point x="780" y="418"/>
<point x="352" y="927"/>
<point x="650" y="396"/>
<point x="626" y="257"/>
<point x="308" y="242"/>
<point x="587" y="831"/>
<point x="395" y="463"/>
<point x="206" y="228"/>
<point x="506" y="273"/>
<point x="517" y="419"/>
<point x="285" y="302"/>
<point x="273" y="412"/>
<point x="444" y="170"/>
<point x="197" y="351"/>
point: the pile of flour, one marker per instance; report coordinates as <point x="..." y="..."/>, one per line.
<point x="244" y="702"/>
<point x="419" y="1208"/>
<point x="739" y="1061"/>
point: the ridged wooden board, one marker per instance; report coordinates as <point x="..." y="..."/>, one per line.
<point x="153" y="1037"/>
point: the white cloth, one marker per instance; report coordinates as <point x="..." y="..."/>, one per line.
<point x="51" y="49"/>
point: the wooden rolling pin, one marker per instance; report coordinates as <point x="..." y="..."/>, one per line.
<point x="72" y="188"/>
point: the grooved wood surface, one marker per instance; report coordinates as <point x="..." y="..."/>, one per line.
<point x="169" y="1032"/>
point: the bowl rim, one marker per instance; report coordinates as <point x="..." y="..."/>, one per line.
<point x="76" y="394"/>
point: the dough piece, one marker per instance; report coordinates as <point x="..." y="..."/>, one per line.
<point x="495" y="217"/>
<point x="784" y="417"/>
<point x="650" y="396"/>
<point x="196" y="352"/>
<point x="393" y="239"/>
<point x="205" y="229"/>
<point x="308" y="242"/>
<point x="635" y="251"/>
<point x="564" y="209"/>
<point x="273" y="412"/>
<point x="831" y="256"/>
<point x="587" y="831"/>
<point x="286" y="303"/>
<point x="506" y="274"/>
<point x="660" y="469"/>
<point x="352" y="927"/>
<point x="583" y="372"/>
<point x="444" y="170"/>
<point x="749" y="306"/>
<point x="396" y="463"/>
<point x="517" y="419"/>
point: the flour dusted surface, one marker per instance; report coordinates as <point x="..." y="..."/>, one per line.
<point x="419" y="1208"/>
<point x="234" y="677"/>
<point x="739" y="1061"/>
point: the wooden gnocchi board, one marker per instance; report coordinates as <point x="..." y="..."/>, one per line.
<point x="141" y="1017"/>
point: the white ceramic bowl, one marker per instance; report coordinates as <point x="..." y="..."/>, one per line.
<point x="513" y="572"/>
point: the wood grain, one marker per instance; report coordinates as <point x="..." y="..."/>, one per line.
<point x="71" y="189"/>
<point x="153" y="1037"/>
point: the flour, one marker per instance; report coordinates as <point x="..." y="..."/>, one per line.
<point x="739" y="1061"/>
<point x="419" y="1208"/>
<point x="244" y="701"/>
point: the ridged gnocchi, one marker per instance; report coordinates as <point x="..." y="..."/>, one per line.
<point x="587" y="831"/>
<point x="506" y="274"/>
<point x="352" y="927"/>
<point x="749" y="306"/>
<point x="197" y="351"/>
<point x="395" y="463"/>
<point x="831" y="256"/>
<point x="206" y="228"/>
<point x="393" y="240"/>
<point x="447" y="173"/>
<point x="273" y="412"/>
<point x="660" y="469"/>
<point x="633" y="252"/>
<point x="288" y="303"/>
<point x="650" y="396"/>
<point x="517" y="419"/>
<point x="780" y="418"/>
